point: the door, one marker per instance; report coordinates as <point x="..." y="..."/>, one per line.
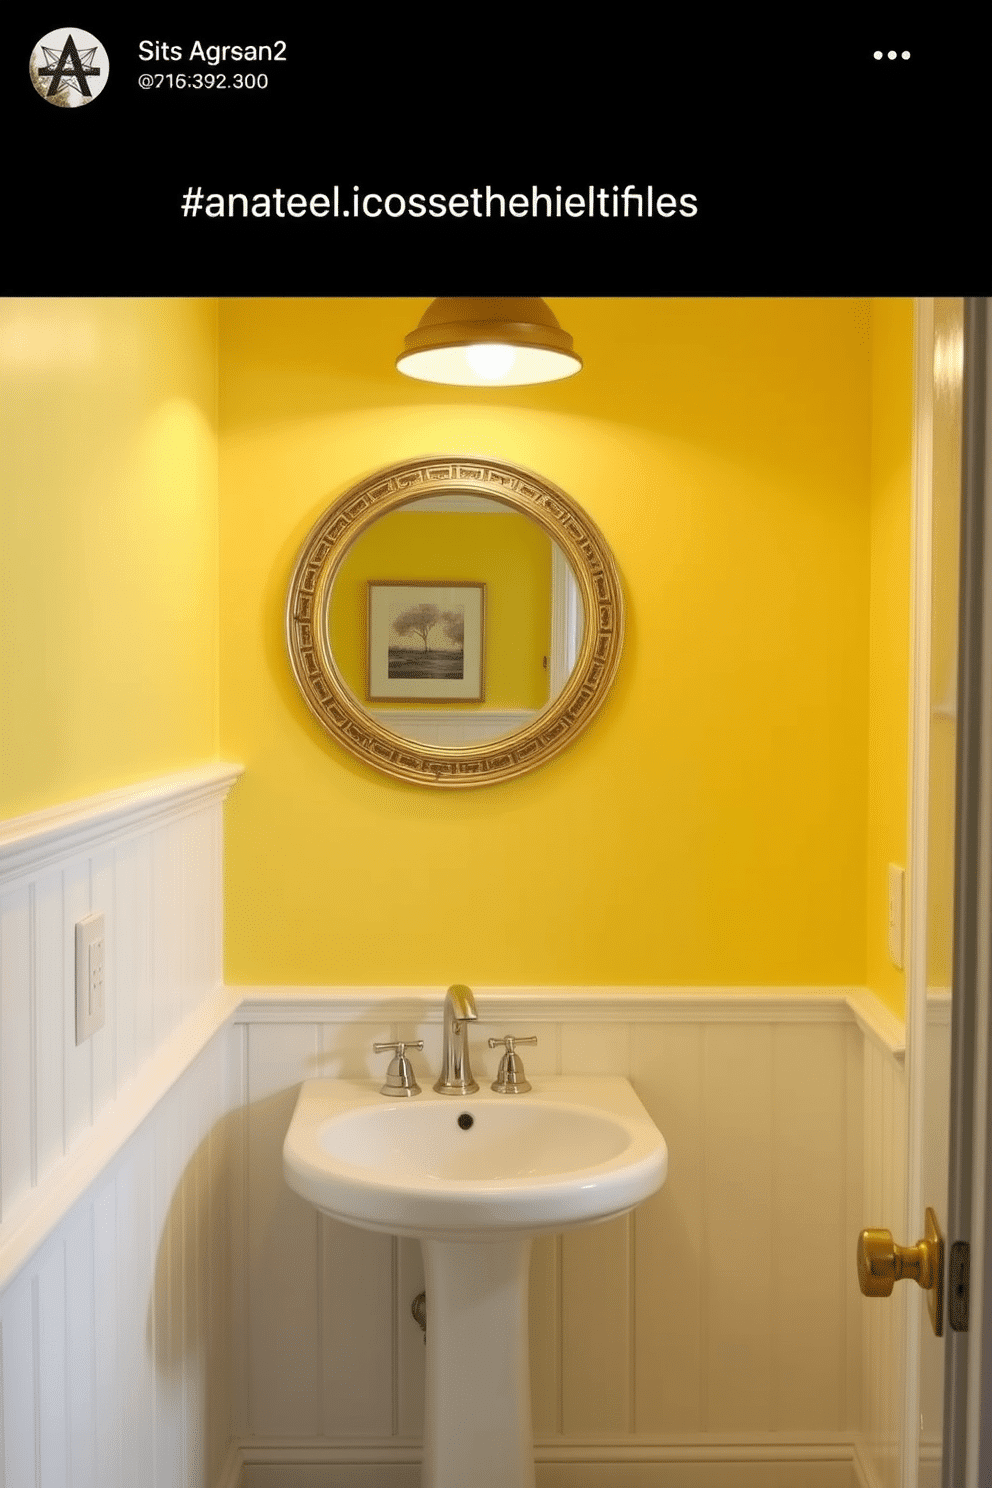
<point x="946" y="1439"/>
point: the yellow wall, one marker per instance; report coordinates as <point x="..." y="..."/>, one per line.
<point x="891" y="504"/>
<point x="711" y="826"/>
<point x="507" y="553"/>
<point x="108" y="544"/>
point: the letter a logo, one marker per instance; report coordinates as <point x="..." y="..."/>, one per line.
<point x="69" y="67"/>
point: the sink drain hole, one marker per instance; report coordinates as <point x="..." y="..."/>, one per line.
<point x="465" y="1120"/>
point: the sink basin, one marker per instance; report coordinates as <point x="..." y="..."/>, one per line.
<point x="573" y="1151"/>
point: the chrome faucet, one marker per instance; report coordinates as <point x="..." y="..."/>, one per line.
<point x="456" y="1071"/>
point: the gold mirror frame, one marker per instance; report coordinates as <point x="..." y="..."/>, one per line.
<point x="332" y="702"/>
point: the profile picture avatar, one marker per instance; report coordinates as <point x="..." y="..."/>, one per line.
<point x="69" y="67"/>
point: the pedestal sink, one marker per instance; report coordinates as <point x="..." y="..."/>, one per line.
<point x="475" y="1178"/>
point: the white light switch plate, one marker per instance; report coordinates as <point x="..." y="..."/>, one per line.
<point x="90" y="986"/>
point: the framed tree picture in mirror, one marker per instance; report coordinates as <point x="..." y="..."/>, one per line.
<point x="426" y="641"/>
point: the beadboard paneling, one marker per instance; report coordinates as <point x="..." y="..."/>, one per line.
<point x="116" y="1365"/>
<point x="158" y="882"/>
<point x="117" y="1157"/>
<point x="284" y="1303"/>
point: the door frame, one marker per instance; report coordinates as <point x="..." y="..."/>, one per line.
<point x="921" y="571"/>
<point x="966" y="1460"/>
<point x="967" y="1444"/>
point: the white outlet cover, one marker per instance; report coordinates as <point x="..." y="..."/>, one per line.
<point x="91" y="945"/>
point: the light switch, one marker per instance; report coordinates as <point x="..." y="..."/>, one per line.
<point x="90" y="963"/>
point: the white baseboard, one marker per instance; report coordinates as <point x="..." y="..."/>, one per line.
<point x="651" y="1464"/>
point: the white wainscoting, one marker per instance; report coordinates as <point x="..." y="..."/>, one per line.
<point x="114" y="1337"/>
<point x="150" y="858"/>
<point x="116" y="1156"/>
<point x="172" y="1315"/>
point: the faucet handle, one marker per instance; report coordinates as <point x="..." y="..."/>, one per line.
<point x="400" y="1079"/>
<point x="511" y="1079"/>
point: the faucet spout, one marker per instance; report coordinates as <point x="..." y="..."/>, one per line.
<point x="456" y="1071"/>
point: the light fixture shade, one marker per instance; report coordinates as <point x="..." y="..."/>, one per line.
<point x="488" y="343"/>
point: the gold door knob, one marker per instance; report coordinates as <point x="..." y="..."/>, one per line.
<point x="881" y="1263"/>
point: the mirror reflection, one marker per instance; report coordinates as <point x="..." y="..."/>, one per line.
<point x="454" y="620"/>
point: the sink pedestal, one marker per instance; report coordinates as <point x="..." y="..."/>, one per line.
<point x="477" y="1431"/>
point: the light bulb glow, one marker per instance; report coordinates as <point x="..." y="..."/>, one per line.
<point x="491" y="361"/>
<point x="450" y="364"/>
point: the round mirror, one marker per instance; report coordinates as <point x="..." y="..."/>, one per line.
<point x="454" y="622"/>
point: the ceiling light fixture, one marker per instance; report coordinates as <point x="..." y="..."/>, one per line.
<point x="488" y="343"/>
